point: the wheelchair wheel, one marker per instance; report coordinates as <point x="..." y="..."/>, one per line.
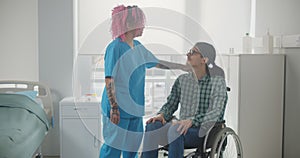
<point x="226" y="145"/>
<point x="191" y="155"/>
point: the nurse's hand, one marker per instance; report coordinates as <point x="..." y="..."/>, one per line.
<point x="115" y="115"/>
<point x="187" y="67"/>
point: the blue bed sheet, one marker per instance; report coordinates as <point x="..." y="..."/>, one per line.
<point x="23" y="126"/>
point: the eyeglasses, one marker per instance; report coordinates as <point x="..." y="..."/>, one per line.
<point x="193" y="52"/>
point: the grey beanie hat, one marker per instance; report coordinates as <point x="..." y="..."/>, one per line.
<point x="207" y="50"/>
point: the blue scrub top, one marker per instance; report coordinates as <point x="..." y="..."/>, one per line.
<point x="127" y="66"/>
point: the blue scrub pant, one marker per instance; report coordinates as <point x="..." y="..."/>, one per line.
<point x="125" y="137"/>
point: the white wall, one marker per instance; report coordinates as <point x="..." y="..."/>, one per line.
<point x="225" y="21"/>
<point x="94" y="23"/>
<point x="280" y="16"/>
<point x="55" y="58"/>
<point x="18" y="40"/>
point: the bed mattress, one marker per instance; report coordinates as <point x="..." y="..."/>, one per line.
<point x="23" y="126"/>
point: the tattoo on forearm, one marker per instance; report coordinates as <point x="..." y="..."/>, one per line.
<point x="111" y="94"/>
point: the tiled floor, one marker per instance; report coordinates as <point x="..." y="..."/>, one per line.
<point x="160" y="155"/>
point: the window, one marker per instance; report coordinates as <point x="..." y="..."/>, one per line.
<point x="158" y="82"/>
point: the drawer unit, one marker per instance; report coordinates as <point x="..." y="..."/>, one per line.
<point x="80" y="111"/>
<point x="80" y="129"/>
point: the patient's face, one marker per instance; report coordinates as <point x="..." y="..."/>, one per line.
<point x="194" y="57"/>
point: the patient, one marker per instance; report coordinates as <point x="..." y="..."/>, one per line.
<point x="202" y="97"/>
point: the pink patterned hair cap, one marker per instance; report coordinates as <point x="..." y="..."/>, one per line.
<point x="122" y="17"/>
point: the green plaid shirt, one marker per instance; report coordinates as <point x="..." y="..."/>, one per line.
<point x="200" y="100"/>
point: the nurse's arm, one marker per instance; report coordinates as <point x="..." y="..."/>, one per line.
<point x="169" y="65"/>
<point x="114" y="112"/>
<point x="110" y="88"/>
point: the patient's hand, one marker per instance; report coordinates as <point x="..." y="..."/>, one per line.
<point x="184" y="125"/>
<point x="159" y="117"/>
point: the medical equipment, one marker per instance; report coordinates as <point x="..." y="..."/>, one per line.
<point x="26" y="115"/>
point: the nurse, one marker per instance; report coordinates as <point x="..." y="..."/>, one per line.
<point x="126" y="61"/>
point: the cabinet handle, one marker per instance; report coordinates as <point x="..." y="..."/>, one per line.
<point x="76" y="108"/>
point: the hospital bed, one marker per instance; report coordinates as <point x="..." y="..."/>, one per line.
<point x="26" y="115"/>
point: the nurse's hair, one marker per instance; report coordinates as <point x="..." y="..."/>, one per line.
<point x="122" y="17"/>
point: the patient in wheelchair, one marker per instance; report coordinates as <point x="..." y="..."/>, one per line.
<point x="202" y="96"/>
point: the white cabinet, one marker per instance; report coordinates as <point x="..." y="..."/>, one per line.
<point x="255" y="105"/>
<point x="292" y="104"/>
<point x="79" y="129"/>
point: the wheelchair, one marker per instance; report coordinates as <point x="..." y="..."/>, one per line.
<point x="215" y="143"/>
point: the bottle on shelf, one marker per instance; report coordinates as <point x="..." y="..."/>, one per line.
<point x="247" y="44"/>
<point x="231" y="50"/>
<point x="268" y="43"/>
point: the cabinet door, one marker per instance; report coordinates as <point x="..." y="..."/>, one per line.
<point x="79" y="138"/>
<point x="261" y="105"/>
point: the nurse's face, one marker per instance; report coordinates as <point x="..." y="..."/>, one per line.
<point x="139" y="31"/>
<point x="136" y="31"/>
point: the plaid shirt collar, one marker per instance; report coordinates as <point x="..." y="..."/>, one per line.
<point x="204" y="79"/>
